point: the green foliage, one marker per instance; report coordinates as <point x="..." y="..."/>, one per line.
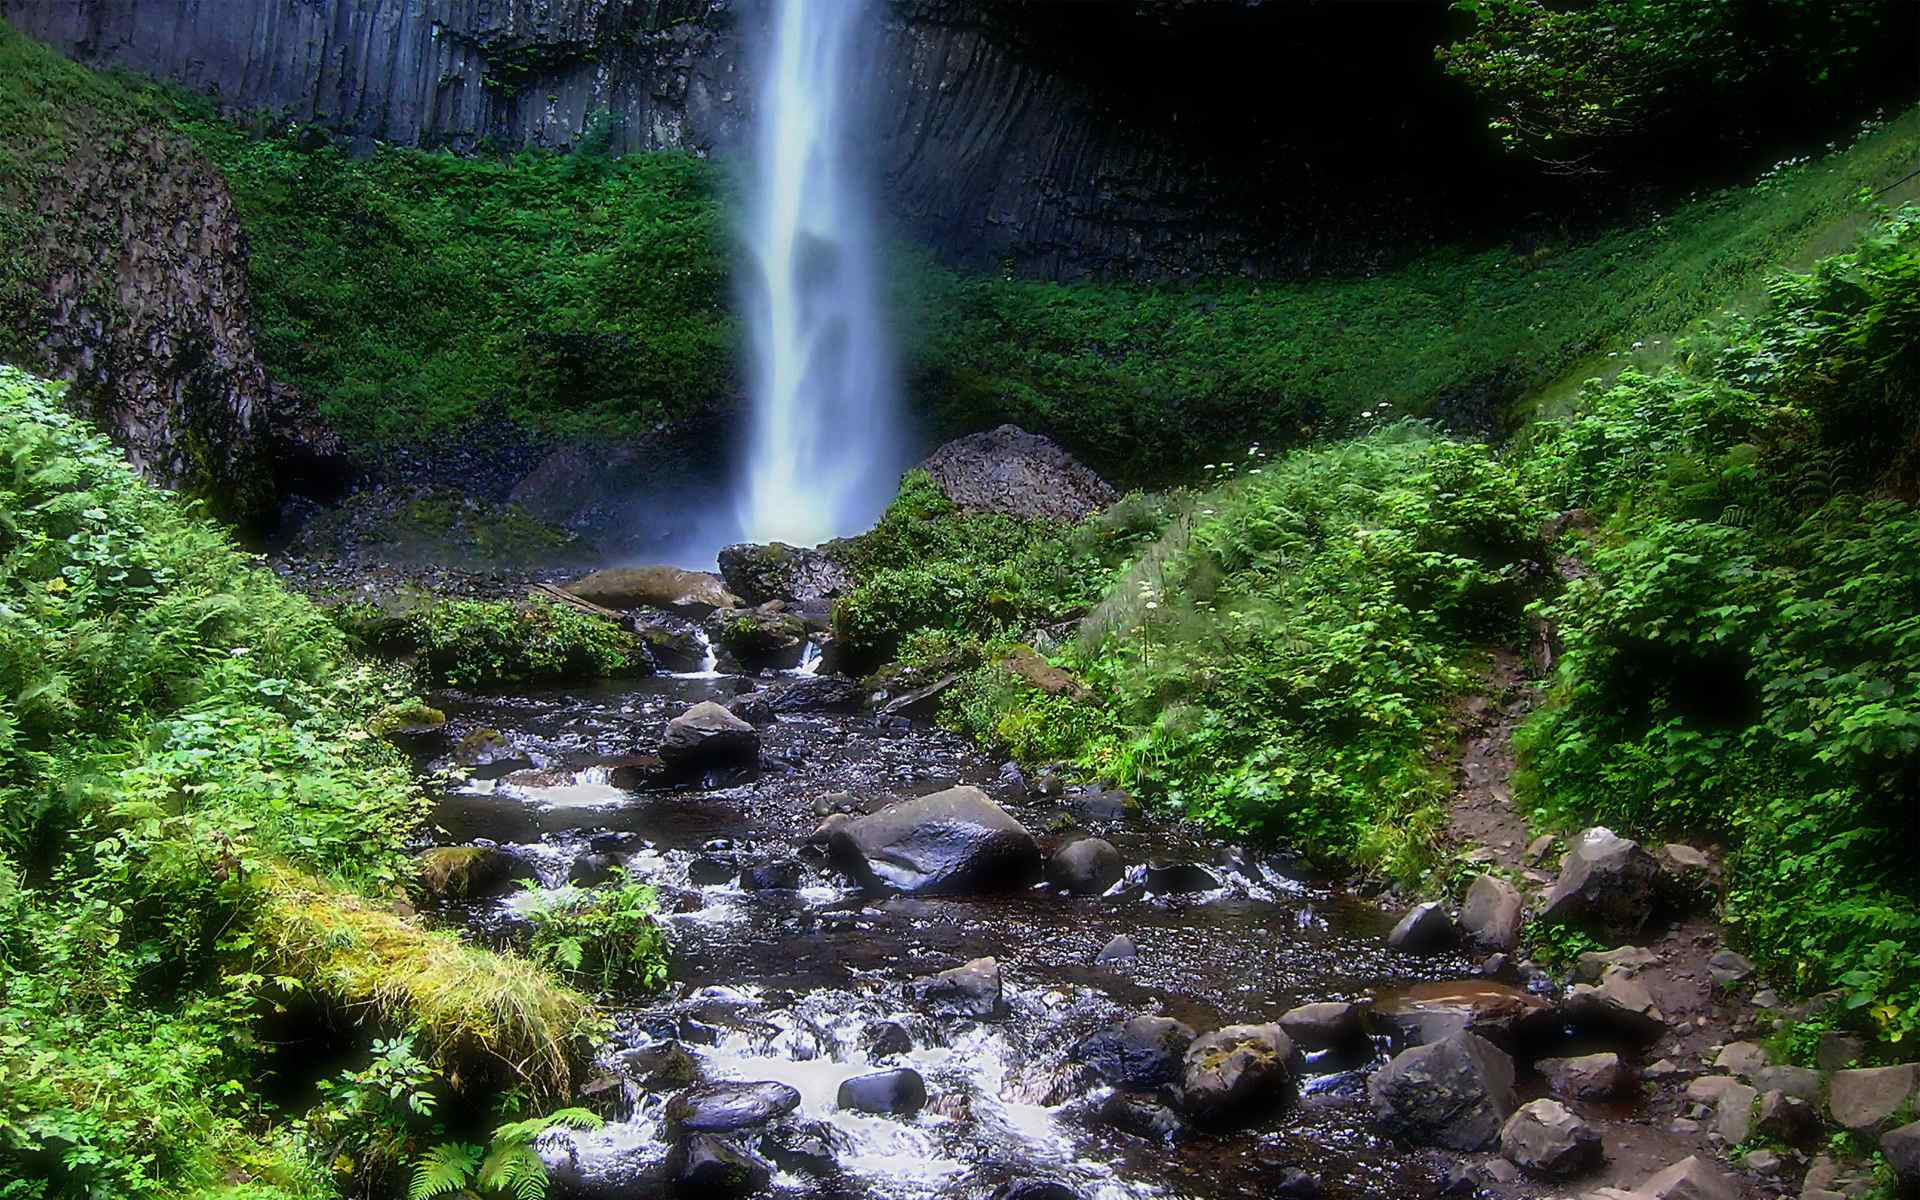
<point x="1149" y="381"/>
<point x="488" y="643"/>
<point x="1570" y="82"/>
<point x="170" y="718"/>
<point x="1744" y="658"/>
<point x="507" y="1167"/>
<point x="604" y="937"/>
<point x="1278" y="662"/>
<point x="927" y="566"/>
<point x="415" y="292"/>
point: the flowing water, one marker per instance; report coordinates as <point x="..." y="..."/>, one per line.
<point x="791" y="985"/>
<point x="824" y="448"/>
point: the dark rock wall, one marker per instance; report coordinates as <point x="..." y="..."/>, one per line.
<point x="1147" y="138"/>
<point x="143" y="306"/>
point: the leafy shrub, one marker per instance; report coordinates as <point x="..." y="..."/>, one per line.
<point x="1570" y="84"/>
<point x="1744" y="658"/>
<point x="190" y="798"/>
<point x="413" y="292"/>
<point x="487" y="643"/>
<point x="1279" y="661"/>
<point x="605" y="937"/>
<point x="927" y="566"/>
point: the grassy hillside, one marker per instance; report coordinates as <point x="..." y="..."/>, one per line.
<point x="199" y="829"/>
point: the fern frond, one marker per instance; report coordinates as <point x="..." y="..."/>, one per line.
<point x="515" y="1169"/>
<point x="445" y="1168"/>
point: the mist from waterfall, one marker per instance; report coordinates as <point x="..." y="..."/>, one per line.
<point x="824" y="448"/>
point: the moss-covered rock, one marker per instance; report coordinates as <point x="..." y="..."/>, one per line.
<point x="657" y="586"/>
<point x="758" y="639"/>
<point x="468" y="872"/>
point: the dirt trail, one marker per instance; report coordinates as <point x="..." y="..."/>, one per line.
<point x="1486" y="828"/>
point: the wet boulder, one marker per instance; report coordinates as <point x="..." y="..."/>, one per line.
<point x="759" y="639"/>
<point x="1456" y="1093"/>
<point x="1235" y="1071"/>
<point x="1607" y="883"/>
<point x="683" y="591"/>
<point x="1008" y="470"/>
<point x="711" y="871"/>
<point x="1085" y="866"/>
<point x="1429" y="1012"/>
<point x="952" y="842"/>
<point x="777" y="571"/>
<point x="1692" y="1178"/>
<point x="1035" y="1189"/>
<point x="1546" y="1140"/>
<point x="722" y="1107"/>
<point x="816" y="693"/>
<point x="1141" y="1053"/>
<point x="1619" y="1003"/>
<point x="674" y="641"/>
<point x="1425" y="928"/>
<point x="1142" y="1116"/>
<point x="1324" y="1025"/>
<point x="1493" y="913"/>
<point x="900" y="1092"/>
<point x="592" y="869"/>
<point x="707" y="735"/>
<point x="706" y="1166"/>
<point x="1600" y="1076"/>
<point x="660" y="1065"/>
<point x="469" y="872"/>
<point x="781" y="875"/>
<point x="921" y="703"/>
<point x="887" y="1039"/>
<point x="1170" y="878"/>
<point x="973" y="990"/>
<point x="1119" y="952"/>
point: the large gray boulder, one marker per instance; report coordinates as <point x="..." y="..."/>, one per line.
<point x="951" y="842"/>
<point x="1424" y="929"/>
<point x="1085" y="867"/>
<point x="1607" y="883"/>
<point x="1493" y="912"/>
<point x="1456" y="1093"/>
<point x="1692" y="1178"/>
<point x="690" y="592"/>
<point x="706" y="1166"/>
<point x="1235" y="1071"/>
<point x="1864" y="1097"/>
<point x="707" y="735"/>
<point x="972" y="990"/>
<point x="1902" y="1148"/>
<point x="1326" y="1024"/>
<point x="1545" y="1139"/>
<point x="1141" y="1053"/>
<point x="1601" y="1076"/>
<point x="777" y="571"/>
<point x="723" y="1107"/>
<point x="1008" y="470"/>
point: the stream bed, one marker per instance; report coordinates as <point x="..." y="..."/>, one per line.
<point x="808" y="986"/>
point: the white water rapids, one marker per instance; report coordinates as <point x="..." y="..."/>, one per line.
<point x="824" y="446"/>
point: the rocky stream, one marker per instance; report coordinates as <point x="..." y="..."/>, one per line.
<point x="1031" y="990"/>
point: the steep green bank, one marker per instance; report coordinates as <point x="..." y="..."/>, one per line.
<point x="1277" y="651"/>
<point x="200" y="830"/>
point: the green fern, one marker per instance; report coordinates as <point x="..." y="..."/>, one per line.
<point x="447" y="1167"/>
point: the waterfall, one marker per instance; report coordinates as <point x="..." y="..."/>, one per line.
<point x="824" y="449"/>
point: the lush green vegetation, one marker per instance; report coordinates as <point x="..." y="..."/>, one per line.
<point x="489" y="643"/>
<point x="413" y="293"/>
<point x="1149" y="381"/>
<point x="604" y="937"/>
<point x="1577" y="85"/>
<point x="1745" y="657"/>
<point x="193" y="813"/>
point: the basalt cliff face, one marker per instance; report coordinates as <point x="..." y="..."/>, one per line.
<point x="1150" y="138"/>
